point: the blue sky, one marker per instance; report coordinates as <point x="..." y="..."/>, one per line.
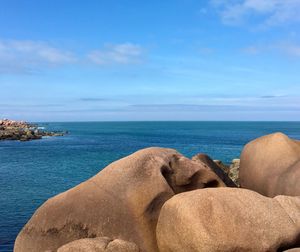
<point x="64" y="60"/>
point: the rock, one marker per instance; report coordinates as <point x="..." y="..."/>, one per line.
<point x="23" y="131"/>
<point x="234" y="170"/>
<point x="228" y="219"/>
<point x="122" y="201"/>
<point x="224" y="167"/>
<point x="206" y="160"/>
<point x="270" y="165"/>
<point x="99" y="244"/>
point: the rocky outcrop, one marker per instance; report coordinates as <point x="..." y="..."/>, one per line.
<point x="228" y="219"/>
<point x="23" y="131"/>
<point x="123" y="201"/>
<point x="270" y="165"/>
<point x="158" y="200"/>
<point x="99" y="244"/>
<point x="232" y="170"/>
<point x="206" y="160"/>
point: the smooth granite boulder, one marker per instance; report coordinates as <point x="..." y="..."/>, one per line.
<point x="99" y="244"/>
<point x="270" y="165"/>
<point x="122" y="201"/>
<point x="228" y="219"/>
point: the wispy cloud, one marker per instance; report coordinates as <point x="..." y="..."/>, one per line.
<point x="271" y="96"/>
<point x="126" y="53"/>
<point x="269" y="12"/>
<point x="178" y="107"/>
<point x="253" y="50"/>
<point x="283" y="47"/>
<point x="26" y="106"/>
<point x="92" y="99"/>
<point x="269" y="106"/>
<point x="26" y="55"/>
<point x="290" y="49"/>
<point x="213" y="107"/>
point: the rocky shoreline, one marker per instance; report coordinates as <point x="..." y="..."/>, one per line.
<point x="23" y="131"/>
<point x="231" y="170"/>
<point x="157" y="200"/>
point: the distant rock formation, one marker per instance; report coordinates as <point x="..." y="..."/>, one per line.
<point x="158" y="200"/>
<point x="23" y="131"/>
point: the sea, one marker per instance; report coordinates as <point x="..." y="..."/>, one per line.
<point x="33" y="171"/>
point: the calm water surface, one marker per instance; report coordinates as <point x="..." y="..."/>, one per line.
<point x="31" y="172"/>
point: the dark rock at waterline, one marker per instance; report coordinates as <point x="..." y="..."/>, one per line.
<point x="206" y="160"/>
<point x="23" y="131"/>
<point x="231" y="170"/>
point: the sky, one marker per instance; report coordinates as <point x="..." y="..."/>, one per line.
<point x="122" y="60"/>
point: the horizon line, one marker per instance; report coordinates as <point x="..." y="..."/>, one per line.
<point x="108" y="121"/>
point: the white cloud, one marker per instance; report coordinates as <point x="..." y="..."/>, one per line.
<point x="253" y="50"/>
<point x="290" y="49"/>
<point x="283" y="47"/>
<point x="126" y="53"/>
<point x="26" y="55"/>
<point x="269" y="12"/>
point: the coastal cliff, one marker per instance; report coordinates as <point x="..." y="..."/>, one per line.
<point x="23" y="131"/>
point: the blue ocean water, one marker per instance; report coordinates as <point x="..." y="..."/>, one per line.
<point x="31" y="172"/>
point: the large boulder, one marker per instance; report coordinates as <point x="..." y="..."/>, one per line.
<point x="99" y="244"/>
<point x="228" y="219"/>
<point x="122" y="201"/>
<point x="270" y="165"/>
